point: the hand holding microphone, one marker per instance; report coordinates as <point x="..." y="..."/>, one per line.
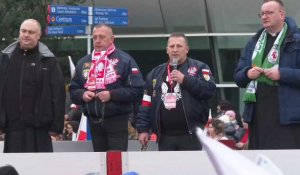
<point x="176" y="75"/>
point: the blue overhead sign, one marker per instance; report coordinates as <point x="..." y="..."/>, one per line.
<point x="67" y="10"/>
<point x="74" y="20"/>
<point x="84" y="10"/>
<point x="117" y="21"/>
<point x="105" y="11"/>
<point x="65" y="30"/>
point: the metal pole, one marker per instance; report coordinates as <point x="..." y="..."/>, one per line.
<point x="88" y="39"/>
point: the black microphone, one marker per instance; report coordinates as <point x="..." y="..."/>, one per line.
<point x="174" y="64"/>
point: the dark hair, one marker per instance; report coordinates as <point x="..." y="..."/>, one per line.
<point x="74" y="125"/>
<point x="278" y="1"/>
<point x="8" y="170"/>
<point x="179" y="35"/>
<point x="218" y="125"/>
<point x="225" y="105"/>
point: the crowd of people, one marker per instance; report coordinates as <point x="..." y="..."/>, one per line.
<point x="228" y="125"/>
<point x="173" y="100"/>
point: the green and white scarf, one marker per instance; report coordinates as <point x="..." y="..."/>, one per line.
<point x="272" y="60"/>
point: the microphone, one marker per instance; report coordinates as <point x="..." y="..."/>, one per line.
<point x="174" y="64"/>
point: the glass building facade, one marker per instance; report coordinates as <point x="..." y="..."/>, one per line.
<point x="217" y="32"/>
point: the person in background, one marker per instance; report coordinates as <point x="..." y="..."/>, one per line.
<point x="107" y="83"/>
<point x="73" y="112"/>
<point x="32" y="93"/>
<point x="223" y="106"/>
<point x="71" y="128"/>
<point x="269" y="68"/>
<point x="175" y="99"/>
<point x="216" y="129"/>
<point x="243" y="143"/>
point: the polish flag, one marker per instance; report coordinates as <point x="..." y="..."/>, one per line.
<point x="134" y="70"/>
<point x="82" y="130"/>
<point x="146" y="101"/>
<point x="205" y="71"/>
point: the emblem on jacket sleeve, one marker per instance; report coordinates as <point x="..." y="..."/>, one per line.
<point x="146" y="101"/>
<point x="134" y="70"/>
<point x="85" y="73"/>
<point x="86" y="69"/>
<point x="153" y="83"/>
<point x="87" y="65"/>
<point x="192" y="71"/>
<point x="206" y="74"/>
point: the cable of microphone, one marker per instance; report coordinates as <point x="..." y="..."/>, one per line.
<point x="174" y="64"/>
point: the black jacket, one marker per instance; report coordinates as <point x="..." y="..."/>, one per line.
<point x="196" y="90"/>
<point x="127" y="90"/>
<point x="49" y="108"/>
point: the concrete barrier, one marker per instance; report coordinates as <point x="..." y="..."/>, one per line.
<point x="84" y="162"/>
<point x="69" y="146"/>
<point x="144" y="163"/>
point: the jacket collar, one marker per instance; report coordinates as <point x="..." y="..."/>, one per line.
<point x="43" y="49"/>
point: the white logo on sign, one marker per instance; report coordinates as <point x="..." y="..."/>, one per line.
<point x="53" y="9"/>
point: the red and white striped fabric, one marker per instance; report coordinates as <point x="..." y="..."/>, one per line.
<point x="146" y="101"/>
<point x="134" y="70"/>
<point x="82" y="130"/>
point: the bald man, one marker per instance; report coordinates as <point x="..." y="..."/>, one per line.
<point x="107" y="83"/>
<point x="32" y="93"/>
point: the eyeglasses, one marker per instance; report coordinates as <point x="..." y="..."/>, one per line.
<point x="267" y="13"/>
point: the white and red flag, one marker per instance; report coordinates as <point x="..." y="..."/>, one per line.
<point x="82" y="130"/>
<point x="146" y="101"/>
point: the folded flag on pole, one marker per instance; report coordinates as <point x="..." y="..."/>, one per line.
<point x="82" y="130"/>
<point x="227" y="161"/>
<point x="72" y="67"/>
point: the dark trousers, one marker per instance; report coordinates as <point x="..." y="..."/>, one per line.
<point x="112" y="134"/>
<point x="265" y="131"/>
<point x="184" y="142"/>
<point x="28" y="140"/>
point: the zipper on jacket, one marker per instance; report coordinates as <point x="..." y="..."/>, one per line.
<point x="158" y="123"/>
<point x="183" y="107"/>
<point x="20" y="90"/>
<point x="157" y="110"/>
<point x="101" y="118"/>
<point x="38" y="99"/>
<point x="187" y="123"/>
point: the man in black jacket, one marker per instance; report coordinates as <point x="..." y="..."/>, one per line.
<point x="175" y="99"/>
<point x="107" y="83"/>
<point x="32" y="93"/>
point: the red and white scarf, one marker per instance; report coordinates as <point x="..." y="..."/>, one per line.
<point x="100" y="69"/>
